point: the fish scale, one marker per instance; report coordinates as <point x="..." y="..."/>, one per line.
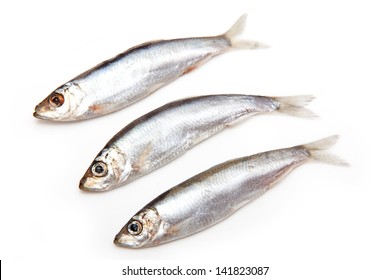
<point x="134" y="74"/>
<point x="165" y="133"/>
<point x="213" y="195"/>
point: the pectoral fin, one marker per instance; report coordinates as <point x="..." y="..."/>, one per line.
<point x="143" y="157"/>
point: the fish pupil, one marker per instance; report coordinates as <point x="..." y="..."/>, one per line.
<point x="99" y="169"/>
<point x="56" y="100"/>
<point x="134" y="227"/>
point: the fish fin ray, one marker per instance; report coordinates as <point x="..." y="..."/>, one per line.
<point x="142" y="159"/>
<point x="295" y="106"/>
<point x="318" y="151"/>
<point x="234" y="31"/>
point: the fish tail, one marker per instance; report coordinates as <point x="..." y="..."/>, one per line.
<point x="318" y="151"/>
<point x="236" y="29"/>
<point x="295" y="106"/>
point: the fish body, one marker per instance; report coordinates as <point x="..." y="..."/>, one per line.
<point x="213" y="195"/>
<point x="162" y="135"/>
<point x="134" y="74"/>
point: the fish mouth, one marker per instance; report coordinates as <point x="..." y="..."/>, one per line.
<point x="37" y="115"/>
<point x="117" y="242"/>
<point x="87" y="184"/>
<point x="122" y="240"/>
<point x="41" y="111"/>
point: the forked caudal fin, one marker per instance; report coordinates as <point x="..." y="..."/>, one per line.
<point x="237" y="28"/>
<point x="318" y="151"/>
<point x="295" y="106"/>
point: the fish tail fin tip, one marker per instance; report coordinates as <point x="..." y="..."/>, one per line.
<point x="295" y="106"/>
<point x="318" y="151"/>
<point x="236" y="29"/>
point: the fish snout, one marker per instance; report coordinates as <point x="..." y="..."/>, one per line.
<point x="89" y="184"/>
<point x="124" y="240"/>
<point x="42" y="110"/>
<point x="36" y="114"/>
<point x="118" y="239"/>
<point x="82" y="184"/>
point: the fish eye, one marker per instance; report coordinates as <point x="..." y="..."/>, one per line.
<point x="56" y="99"/>
<point x="99" y="169"/>
<point x="134" y="228"/>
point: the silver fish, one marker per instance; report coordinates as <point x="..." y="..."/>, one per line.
<point x="162" y="135"/>
<point x="134" y="74"/>
<point x="213" y="195"/>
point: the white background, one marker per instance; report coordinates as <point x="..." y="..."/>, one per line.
<point x="321" y="222"/>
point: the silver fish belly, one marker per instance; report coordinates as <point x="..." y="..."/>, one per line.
<point x="167" y="132"/>
<point x="134" y="74"/>
<point x="214" y="194"/>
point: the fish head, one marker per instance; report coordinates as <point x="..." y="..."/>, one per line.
<point x="108" y="170"/>
<point x="61" y="105"/>
<point x="143" y="230"/>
